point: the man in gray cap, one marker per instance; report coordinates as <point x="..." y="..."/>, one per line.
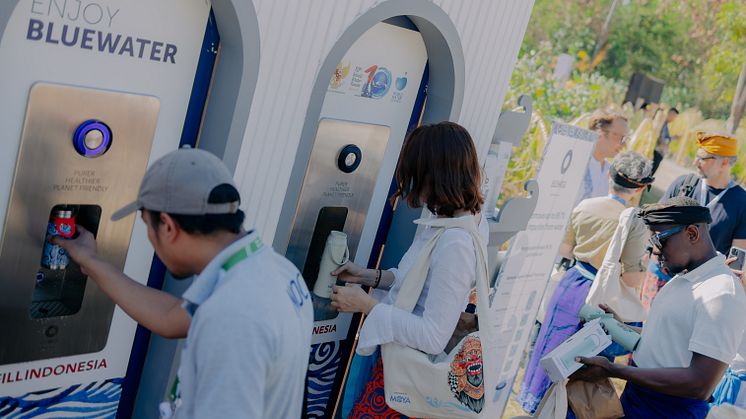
<point x="247" y="316"/>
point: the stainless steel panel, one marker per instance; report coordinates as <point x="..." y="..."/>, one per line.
<point x="325" y="185"/>
<point x="48" y="172"/>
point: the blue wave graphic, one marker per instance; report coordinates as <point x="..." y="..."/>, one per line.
<point x="94" y="400"/>
<point x="322" y="368"/>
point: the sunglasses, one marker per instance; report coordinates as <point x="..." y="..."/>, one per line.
<point x="658" y="239"/>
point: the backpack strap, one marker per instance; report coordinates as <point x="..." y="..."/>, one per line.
<point x="687" y="186"/>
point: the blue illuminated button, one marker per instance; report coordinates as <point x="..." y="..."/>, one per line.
<point x="92" y="138"/>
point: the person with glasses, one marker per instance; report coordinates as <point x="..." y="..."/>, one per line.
<point x="693" y="328"/>
<point x="713" y="187"/>
<point x="591" y="228"/>
<point x="612" y="130"/>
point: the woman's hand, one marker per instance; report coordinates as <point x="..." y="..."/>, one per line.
<point x="352" y="299"/>
<point x="354" y="274"/>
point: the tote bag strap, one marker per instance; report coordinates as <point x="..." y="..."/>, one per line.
<point x="415" y="278"/>
<point x="487" y="330"/>
<point x="614" y="253"/>
<point x="414" y="281"/>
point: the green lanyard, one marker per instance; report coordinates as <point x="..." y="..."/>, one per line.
<point x="242" y="254"/>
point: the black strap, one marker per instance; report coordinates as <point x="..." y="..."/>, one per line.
<point x="687" y="186"/>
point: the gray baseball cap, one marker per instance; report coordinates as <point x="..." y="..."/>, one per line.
<point x="180" y="183"/>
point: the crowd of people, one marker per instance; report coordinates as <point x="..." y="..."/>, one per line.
<point x="692" y="331"/>
<point x="247" y="317"/>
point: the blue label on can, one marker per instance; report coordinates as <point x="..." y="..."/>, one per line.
<point x="53" y="256"/>
<point x="65" y="229"/>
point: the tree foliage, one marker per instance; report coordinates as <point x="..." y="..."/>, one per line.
<point x="697" y="47"/>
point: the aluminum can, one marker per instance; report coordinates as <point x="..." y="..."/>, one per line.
<point x="62" y="223"/>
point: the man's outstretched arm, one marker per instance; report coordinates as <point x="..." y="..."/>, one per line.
<point x="156" y="310"/>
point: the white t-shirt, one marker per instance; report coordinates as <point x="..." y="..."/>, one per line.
<point x="702" y="311"/>
<point x="247" y="349"/>
<point x="444" y="295"/>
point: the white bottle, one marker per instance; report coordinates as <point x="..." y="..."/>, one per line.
<point x="335" y="255"/>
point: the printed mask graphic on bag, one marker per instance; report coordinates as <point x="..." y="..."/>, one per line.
<point x="466" y="376"/>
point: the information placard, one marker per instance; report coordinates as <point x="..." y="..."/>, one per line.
<point x="523" y="279"/>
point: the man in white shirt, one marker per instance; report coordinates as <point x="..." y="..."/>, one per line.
<point x="247" y="317"/>
<point x="694" y="325"/>
<point x="613" y="130"/>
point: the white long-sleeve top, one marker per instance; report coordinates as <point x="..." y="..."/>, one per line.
<point x="444" y="295"/>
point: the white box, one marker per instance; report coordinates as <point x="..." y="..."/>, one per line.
<point x="588" y="341"/>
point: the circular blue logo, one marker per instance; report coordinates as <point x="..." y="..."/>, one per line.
<point x="380" y="83"/>
<point x="65" y="229"/>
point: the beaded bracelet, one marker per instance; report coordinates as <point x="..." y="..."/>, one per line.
<point x="378" y="278"/>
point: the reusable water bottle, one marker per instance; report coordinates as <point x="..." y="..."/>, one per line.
<point x="619" y="332"/>
<point x="335" y="255"/>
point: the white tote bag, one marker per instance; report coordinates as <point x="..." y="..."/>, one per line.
<point x="607" y="287"/>
<point x="448" y="385"/>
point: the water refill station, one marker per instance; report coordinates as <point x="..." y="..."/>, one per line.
<point x="92" y="92"/>
<point x="312" y="126"/>
<point x="392" y="67"/>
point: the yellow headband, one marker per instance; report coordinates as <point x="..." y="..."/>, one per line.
<point x="717" y="144"/>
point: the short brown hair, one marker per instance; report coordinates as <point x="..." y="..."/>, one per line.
<point x="439" y="163"/>
<point x="601" y="119"/>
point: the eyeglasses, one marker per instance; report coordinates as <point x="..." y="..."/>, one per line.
<point x="622" y="138"/>
<point x="658" y="239"/>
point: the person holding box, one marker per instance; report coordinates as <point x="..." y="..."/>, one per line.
<point x="694" y="326"/>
